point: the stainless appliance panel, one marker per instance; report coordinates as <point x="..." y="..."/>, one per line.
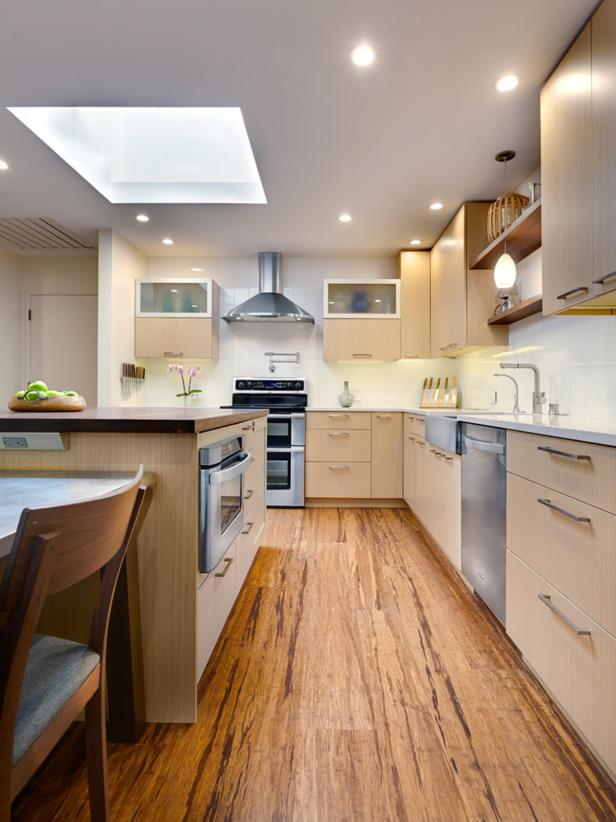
<point x="484" y="492"/>
<point x="285" y="477"/>
<point x="442" y="432"/>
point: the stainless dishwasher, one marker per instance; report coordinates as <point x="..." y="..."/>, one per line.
<point x="484" y="492"/>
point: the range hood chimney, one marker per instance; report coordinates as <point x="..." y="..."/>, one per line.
<point x="270" y="304"/>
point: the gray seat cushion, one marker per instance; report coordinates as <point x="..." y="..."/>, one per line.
<point x="55" y="669"/>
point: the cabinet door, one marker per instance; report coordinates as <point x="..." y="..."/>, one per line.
<point x="410" y="468"/>
<point x="567" y="212"/>
<point x="414" y="269"/>
<point x="361" y="340"/>
<point x="387" y="456"/>
<point x="603" y="27"/>
<point x="448" y="288"/>
<point x="174" y="337"/>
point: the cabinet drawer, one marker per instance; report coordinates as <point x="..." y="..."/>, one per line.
<point x="215" y="598"/>
<point x="414" y="425"/>
<point x="346" y="446"/>
<point x="339" y="420"/>
<point x="340" y="480"/>
<point x="579" y="670"/>
<point x="577" y="556"/>
<point x="247" y="546"/>
<point x="579" y="469"/>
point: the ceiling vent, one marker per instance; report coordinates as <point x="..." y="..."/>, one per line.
<point x="40" y="234"/>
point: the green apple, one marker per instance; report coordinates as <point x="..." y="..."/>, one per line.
<point x="52" y="393"/>
<point x="70" y="393"/>
<point x="20" y="395"/>
<point x="32" y="395"/>
<point x="38" y="385"/>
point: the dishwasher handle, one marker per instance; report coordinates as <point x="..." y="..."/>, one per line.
<point x="482" y="445"/>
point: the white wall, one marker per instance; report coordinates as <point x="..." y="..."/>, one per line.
<point x="119" y="265"/>
<point x="11" y="325"/>
<point x="242" y="345"/>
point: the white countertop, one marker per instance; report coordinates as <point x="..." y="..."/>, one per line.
<point x="600" y="430"/>
<point x="19" y="491"/>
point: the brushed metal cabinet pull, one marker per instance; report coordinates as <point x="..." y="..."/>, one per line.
<point x="338" y="467"/>
<point x="549" y="504"/>
<point x="228" y="560"/>
<point x="604" y="278"/>
<point x="547" y="600"/>
<point x="249" y="494"/>
<point x="582" y="289"/>
<point x="383" y="416"/>
<point x="173" y="353"/>
<point x="365" y="356"/>
<point x="338" y="416"/>
<point x="336" y="434"/>
<point x="249" y="527"/>
<point x="556" y="453"/>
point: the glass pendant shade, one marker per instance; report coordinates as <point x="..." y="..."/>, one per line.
<point x="505" y="271"/>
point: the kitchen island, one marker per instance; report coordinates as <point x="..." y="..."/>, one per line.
<point x="166" y="442"/>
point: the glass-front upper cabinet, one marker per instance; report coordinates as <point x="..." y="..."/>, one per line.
<point x="378" y="299"/>
<point x="174" y="296"/>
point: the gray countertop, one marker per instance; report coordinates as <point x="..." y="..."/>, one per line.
<point x="32" y="490"/>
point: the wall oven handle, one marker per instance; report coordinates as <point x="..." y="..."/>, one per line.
<point x="293" y="449"/>
<point x="228" y="561"/>
<point x="547" y="600"/>
<point x="281" y="415"/>
<point x="225" y="474"/>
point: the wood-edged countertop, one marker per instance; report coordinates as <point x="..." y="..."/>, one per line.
<point x="131" y="420"/>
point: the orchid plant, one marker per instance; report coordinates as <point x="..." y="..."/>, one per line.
<point x="192" y="373"/>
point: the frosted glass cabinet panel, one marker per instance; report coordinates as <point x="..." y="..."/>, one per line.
<point x="361" y="298"/>
<point x="174" y="297"/>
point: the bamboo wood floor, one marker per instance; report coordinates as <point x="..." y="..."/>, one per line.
<point x="357" y="679"/>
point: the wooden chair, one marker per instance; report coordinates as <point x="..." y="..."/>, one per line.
<point x="45" y="682"/>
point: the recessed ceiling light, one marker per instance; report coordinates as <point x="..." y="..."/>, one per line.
<point x="196" y="268"/>
<point x="345" y="218"/>
<point x="167" y="241"/>
<point x="507" y="82"/>
<point x="142" y="218"/>
<point x="173" y="290"/>
<point x="363" y="55"/>
<point x="415" y="242"/>
<point x="4" y="166"/>
<point x="436" y="206"/>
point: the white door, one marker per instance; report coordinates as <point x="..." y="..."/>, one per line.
<point x="63" y="342"/>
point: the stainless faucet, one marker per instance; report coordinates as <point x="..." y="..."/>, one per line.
<point x="538" y="394"/>
<point x="516" y="395"/>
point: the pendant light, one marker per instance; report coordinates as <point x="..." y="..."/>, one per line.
<point x="505" y="271"/>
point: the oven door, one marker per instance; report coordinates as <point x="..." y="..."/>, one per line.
<point x="221" y="508"/>
<point x="285" y="430"/>
<point x="285" y="477"/>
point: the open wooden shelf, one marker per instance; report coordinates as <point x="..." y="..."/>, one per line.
<point x="520" y="311"/>
<point x="522" y="237"/>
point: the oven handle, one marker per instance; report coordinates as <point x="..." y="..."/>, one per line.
<point x="225" y="474"/>
<point x="281" y="415"/>
<point x="293" y="449"/>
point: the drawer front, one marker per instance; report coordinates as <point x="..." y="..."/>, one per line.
<point x="339" y="420"/>
<point x="247" y="546"/>
<point x="345" y="446"/>
<point x="215" y="598"/>
<point x="339" y="480"/>
<point x="414" y="425"/>
<point x="579" y="469"/>
<point x="577" y="556"/>
<point x="579" y="670"/>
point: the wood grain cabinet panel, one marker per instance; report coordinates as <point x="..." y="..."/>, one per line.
<point x="175" y="337"/>
<point x="339" y="420"/>
<point x="339" y="480"/>
<point x="581" y="470"/>
<point x="387" y="456"/>
<point x="361" y="339"/>
<point x="410" y="469"/>
<point x="567" y="212"/>
<point x="215" y="598"/>
<point x="338" y="445"/>
<point x="414" y="272"/>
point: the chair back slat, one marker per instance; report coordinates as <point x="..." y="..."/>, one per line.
<point x="88" y="535"/>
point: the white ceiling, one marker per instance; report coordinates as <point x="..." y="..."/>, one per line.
<point x="423" y="123"/>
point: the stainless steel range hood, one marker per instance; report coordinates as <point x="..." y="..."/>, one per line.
<point x="270" y="304"/>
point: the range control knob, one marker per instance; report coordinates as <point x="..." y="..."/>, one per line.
<point x="298" y="386"/>
<point x="240" y="385"/>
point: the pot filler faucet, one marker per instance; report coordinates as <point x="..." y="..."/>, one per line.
<point x="538" y="394"/>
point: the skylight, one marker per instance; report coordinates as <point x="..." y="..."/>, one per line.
<point x="153" y="155"/>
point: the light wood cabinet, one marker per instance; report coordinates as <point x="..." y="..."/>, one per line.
<point x="566" y="179"/>
<point x="410" y="469"/>
<point x="338" y="445"/>
<point x="180" y="337"/>
<point x="338" y="480"/>
<point x="361" y="339"/>
<point x="387" y="455"/>
<point x="414" y="272"/>
<point x="327" y="420"/>
<point x="461" y="299"/>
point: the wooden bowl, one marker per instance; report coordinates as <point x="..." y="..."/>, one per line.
<point x="50" y="405"/>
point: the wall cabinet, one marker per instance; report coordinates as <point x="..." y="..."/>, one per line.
<point x="364" y="339"/>
<point x="348" y="299"/>
<point x="353" y="455"/>
<point x="461" y="299"/>
<point x="414" y="272"/>
<point x="175" y="317"/>
<point x="578" y="192"/>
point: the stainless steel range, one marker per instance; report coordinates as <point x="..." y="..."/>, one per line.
<point x="286" y="433"/>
